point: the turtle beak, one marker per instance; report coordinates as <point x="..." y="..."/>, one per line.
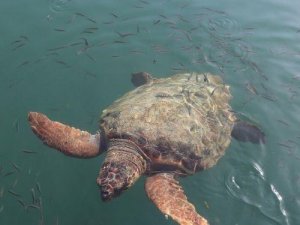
<point x="112" y="181"/>
<point x="106" y="194"/>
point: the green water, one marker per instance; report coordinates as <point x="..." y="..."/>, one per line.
<point x="70" y="59"/>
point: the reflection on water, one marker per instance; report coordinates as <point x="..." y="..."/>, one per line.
<point x="248" y="184"/>
<point x="59" y="5"/>
<point x="70" y="59"/>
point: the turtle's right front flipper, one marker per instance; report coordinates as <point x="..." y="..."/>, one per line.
<point x="68" y="140"/>
<point x="243" y="131"/>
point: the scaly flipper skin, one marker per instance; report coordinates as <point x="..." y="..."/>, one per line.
<point x="168" y="196"/>
<point x="66" y="139"/>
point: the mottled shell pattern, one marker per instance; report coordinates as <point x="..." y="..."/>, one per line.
<point x="182" y="123"/>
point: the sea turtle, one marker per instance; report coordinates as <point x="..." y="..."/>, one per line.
<point x="165" y="128"/>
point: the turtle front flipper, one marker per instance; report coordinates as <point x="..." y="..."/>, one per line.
<point x="243" y="131"/>
<point x="68" y="140"/>
<point x="141" y="78"/>
<point x="166" y="193"/>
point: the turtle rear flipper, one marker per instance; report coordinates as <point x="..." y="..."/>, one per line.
<point x="141" y="78"/>
<point x="168" y="196"/>
<point x="68" y="140"/>
<point x="243" y="131"/>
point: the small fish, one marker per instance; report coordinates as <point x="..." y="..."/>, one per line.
<point x="16" y="125"/>
<point x="258" y="70"/>
<point x="80" y="14"/>
<point x="15" y="183"/>
<point x="38" y="187"/>
<point x="86" y="43"/>
<point x="251" y="88"/>
<point x="1" y="208"/>
<point x="114" y="15"/>
<point x="61" y="62"/>
<point x="206" y="204"/>
<point x="50" y="54"/>
<point x="22" y="203"/>
<point x="182" y="19"/>
<point x="108" y="22"/>
<point x="163" y="16"/>
<point x="18" y="46"/>
<point x="138" y="7"/>
<point x="92" y="28"/>
<point x="283" y="122"/>
<point x="205" y="78"/>
<point x="120" y="42"/>
<point x="87" y="32"/>
<point x="1" y="192"/>
<point x="93" y="21"/>
<point x="185" y="5"/>
<point x="156" y="22"/>
<point x="75" y="44"/>
<point x="9" y="173"/>
<point x="49" y="18"/>
<point x="177" y="69"/>
<point x="122" y="35"/>
<point x="57" y="48"/>
<point x="13" y="193"/>
<point x="90" y="57"/>
<point x="193" y="28"/>
<point x="285" y="145"/>
<point x="137" y="52"/>
<point x="29" y="151"/>
<point x="59" y="29"/>
<point x="33" y="196"/>
<point x="90" y="74"/>
<point x="57" y="221"/>
<point x="188" y="36"/>
<point x="268" y="97"/>
<point x="84" y="16"/>
<point x="23" y="64"/>
<point x="145" y="2"/>
<point x="24" y="37"/>
<point x="15" y="42"/>
<point x="34" y="206"/>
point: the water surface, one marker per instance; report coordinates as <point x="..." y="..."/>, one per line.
<point x="70" y="59"/>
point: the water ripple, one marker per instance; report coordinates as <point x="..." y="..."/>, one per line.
<point x="59" y="5"/>
<point x="227" y="38"/>
<point x="248" y="184"/>
<point x="222" y="26"/>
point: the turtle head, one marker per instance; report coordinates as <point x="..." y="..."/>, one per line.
<point x="123" y="165"/>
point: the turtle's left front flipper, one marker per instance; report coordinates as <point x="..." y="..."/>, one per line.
<point x="68" y="140"/>
<point x="244" y="131"/>
<point x="166" y="193"/>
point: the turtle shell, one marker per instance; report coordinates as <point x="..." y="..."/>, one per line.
<point x="181" y="123"/>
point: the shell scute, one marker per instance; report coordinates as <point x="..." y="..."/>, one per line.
<point x="182" y="122"/>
